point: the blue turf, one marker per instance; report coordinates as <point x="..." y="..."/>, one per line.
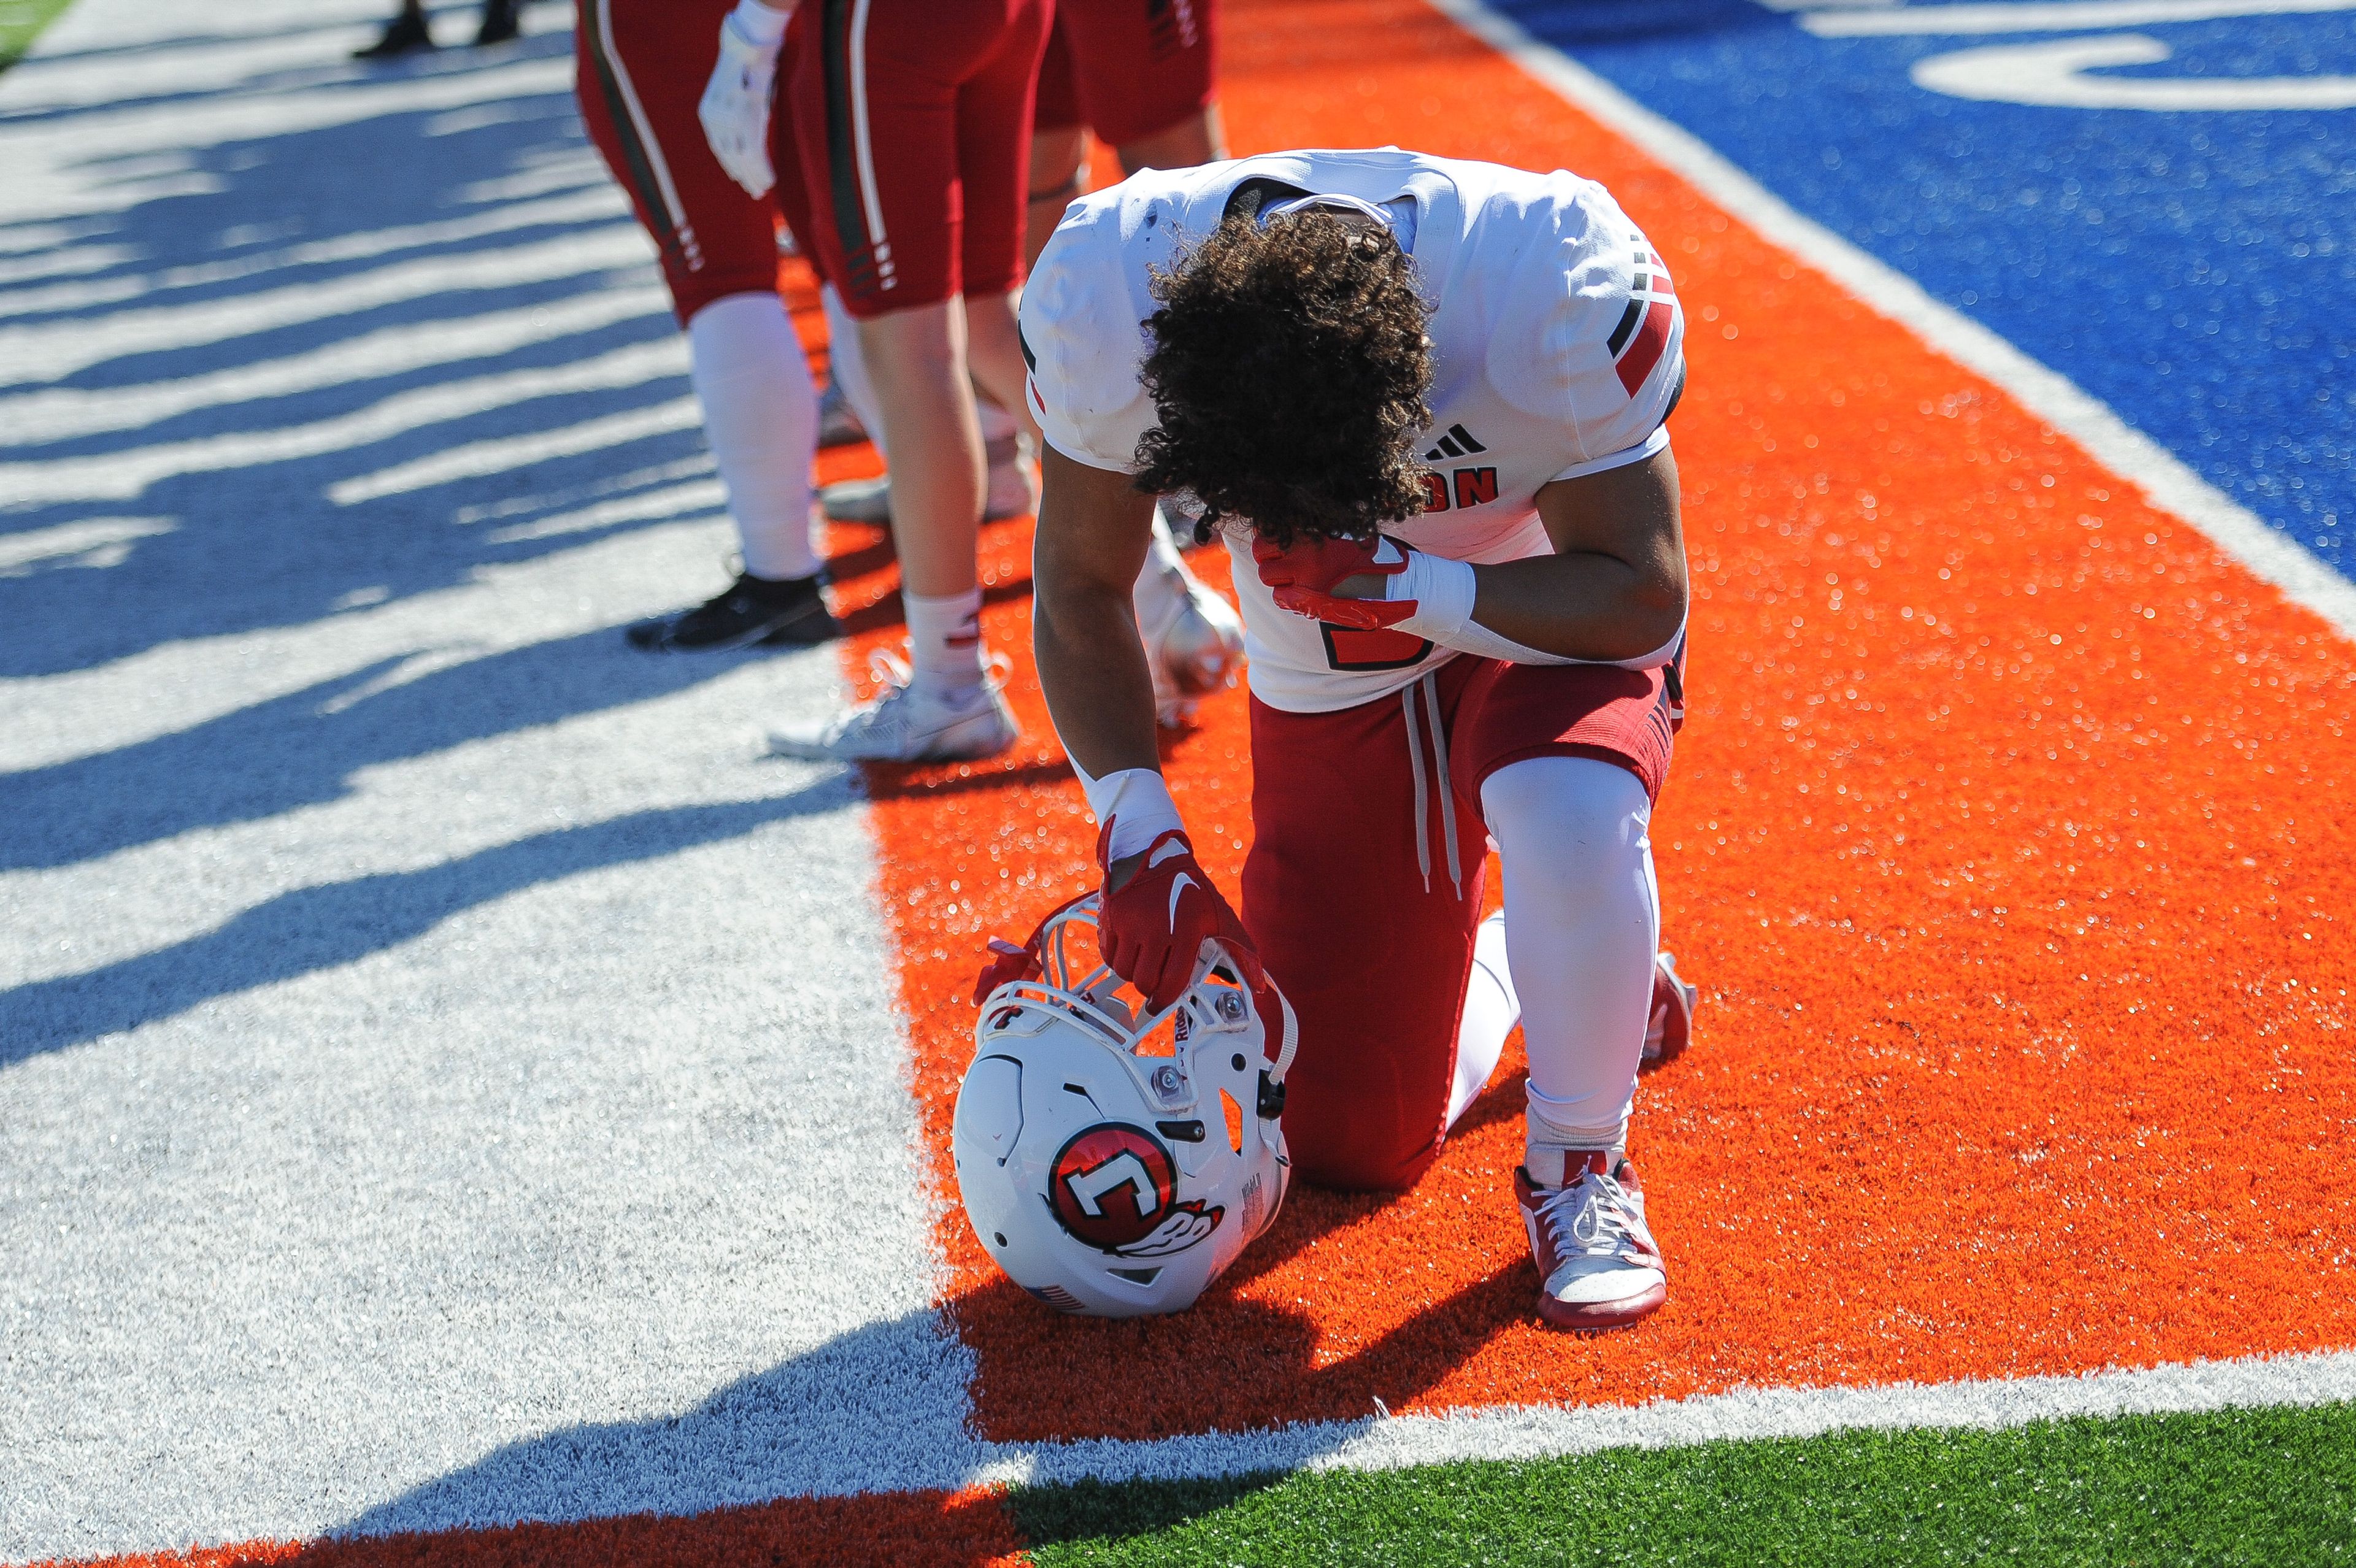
<point x="2196" y="270"/>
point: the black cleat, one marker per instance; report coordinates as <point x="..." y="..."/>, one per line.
<point x="753" y="610"/>
<point x="405" y="35"/>
<point x="500" y="22"/>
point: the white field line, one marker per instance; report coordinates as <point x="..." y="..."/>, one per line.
<point x="142" y="152"/>
<point x="54" y="350"/>
<point x="501" y="454"/>
<point x="2165" y="480"/>
<point x="655" y="505"/>
<point x="1537" y="1431"/>
<point x="111" y="81"/>
<point x="60" y="413"/>
<point x="122" y="476"/>
<point x="602" y="205"/>
<point x="2064" y="15"/>
<point x="77" y="260"/>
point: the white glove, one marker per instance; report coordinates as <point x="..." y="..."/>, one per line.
<point x="735" y="105"/>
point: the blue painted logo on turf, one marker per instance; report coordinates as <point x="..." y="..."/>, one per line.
<point x="2156" y="197"/>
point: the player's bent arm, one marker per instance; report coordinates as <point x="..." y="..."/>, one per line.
<point x="1095" y="527"/>
<point x="1615" y="586"/>
<point x="1614" y="591"/>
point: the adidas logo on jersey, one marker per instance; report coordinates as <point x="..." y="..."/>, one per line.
<point x="1464" y="486"/>
<point x="1457" y="443"/>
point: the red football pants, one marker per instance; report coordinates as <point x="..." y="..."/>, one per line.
<point x="1363" y="887"/>
<point x="641" y="67"/>
<point x="902" y="144"/>
<point x="1127" y="68"/>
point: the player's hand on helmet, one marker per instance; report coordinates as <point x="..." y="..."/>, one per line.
<point x="1305" y="576"/>
<point x="735" y="107"/>
<point x="1159" y="909"/>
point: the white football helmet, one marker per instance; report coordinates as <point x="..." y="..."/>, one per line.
<point x="1112" y="1166"/>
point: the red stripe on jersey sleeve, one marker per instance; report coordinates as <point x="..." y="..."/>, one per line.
<point x="1644" y="350"/>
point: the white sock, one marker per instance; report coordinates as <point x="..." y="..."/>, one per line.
<point x="760" y="413"/>
<point x="1491" y="1011"/>
<point x="1583" y="923"/>
<point x="945" y="639"/>
<point x="848" y="371"/>
<point x="999" y="427"/>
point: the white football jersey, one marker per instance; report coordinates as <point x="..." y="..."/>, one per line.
<point x="1559" y="349"/>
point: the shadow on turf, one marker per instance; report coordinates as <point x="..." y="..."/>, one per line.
<point x="316" y="928"/>
<point x="303" y="748"/>
<point x="263" y="545"/>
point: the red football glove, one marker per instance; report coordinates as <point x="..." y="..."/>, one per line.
<point x="1304" y="575"/>
<point x="1152" y="929"/>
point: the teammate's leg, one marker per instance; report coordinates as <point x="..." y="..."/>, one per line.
<point x="883" y="141"/>
<point x="641" y="69"/>
<point x="760" y="413"/>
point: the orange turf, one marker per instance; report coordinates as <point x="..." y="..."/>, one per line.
<point x="1999" y="841"/>
<point x="906" y="1530"/>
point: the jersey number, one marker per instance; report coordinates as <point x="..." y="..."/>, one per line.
<point x="1349" y="649"/>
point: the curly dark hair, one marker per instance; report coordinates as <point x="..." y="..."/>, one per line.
<point x="1289" y="368"/>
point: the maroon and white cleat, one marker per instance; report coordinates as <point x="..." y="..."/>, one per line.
<point x="1601" y="1266"/>
<point x="1669" y="1029"/>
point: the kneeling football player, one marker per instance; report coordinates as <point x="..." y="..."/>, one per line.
<point x="1423" y="400"/>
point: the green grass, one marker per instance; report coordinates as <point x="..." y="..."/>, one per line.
<point x="2271" y="1488"/>
<point x="21" y="22"/>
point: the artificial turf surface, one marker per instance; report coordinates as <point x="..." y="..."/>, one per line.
<point x="2258" y="1486"/>
<point x="21" y="22"/>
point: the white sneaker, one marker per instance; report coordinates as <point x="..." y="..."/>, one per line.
<point x="1193" y="638"/>
<point x="908" y="721"/>
<point x="1601" y="1266"/>
<point x="1013" y="491"/>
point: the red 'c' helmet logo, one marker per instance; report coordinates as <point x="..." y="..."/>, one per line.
<point x="1112" y="1185"/>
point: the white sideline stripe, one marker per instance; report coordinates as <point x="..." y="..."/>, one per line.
<point x="24" y="239"/>
<point x="60" y="414"/>
<point x="75" y="261"/>
<point x="2065" y="15"/>
<point x="657" y="505"/>
<point x="18" y="552"/>
<point x="120" y="476"/>
<point x="1538" y="1432"/>
<point x="112" y="81"/>
<point x="47" y="158"/>
<point x="501" y="454"/>
<point x="585" y="206"/>
<point x="53" y="350"/>
<point x="2165" y="480"/>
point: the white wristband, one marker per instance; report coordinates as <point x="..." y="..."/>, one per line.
<point x="760" y="24"/>
<point x="1137" y="803"/>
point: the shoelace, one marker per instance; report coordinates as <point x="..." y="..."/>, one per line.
<point x="1612" y="1229"/>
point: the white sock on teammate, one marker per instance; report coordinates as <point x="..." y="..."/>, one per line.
<point x="847" y="369"/>
<point x="760" y="413"/>
<point x="945" y="640"/>
<point x="1582" y="920"/>
<point x="1491" y="1011"/>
